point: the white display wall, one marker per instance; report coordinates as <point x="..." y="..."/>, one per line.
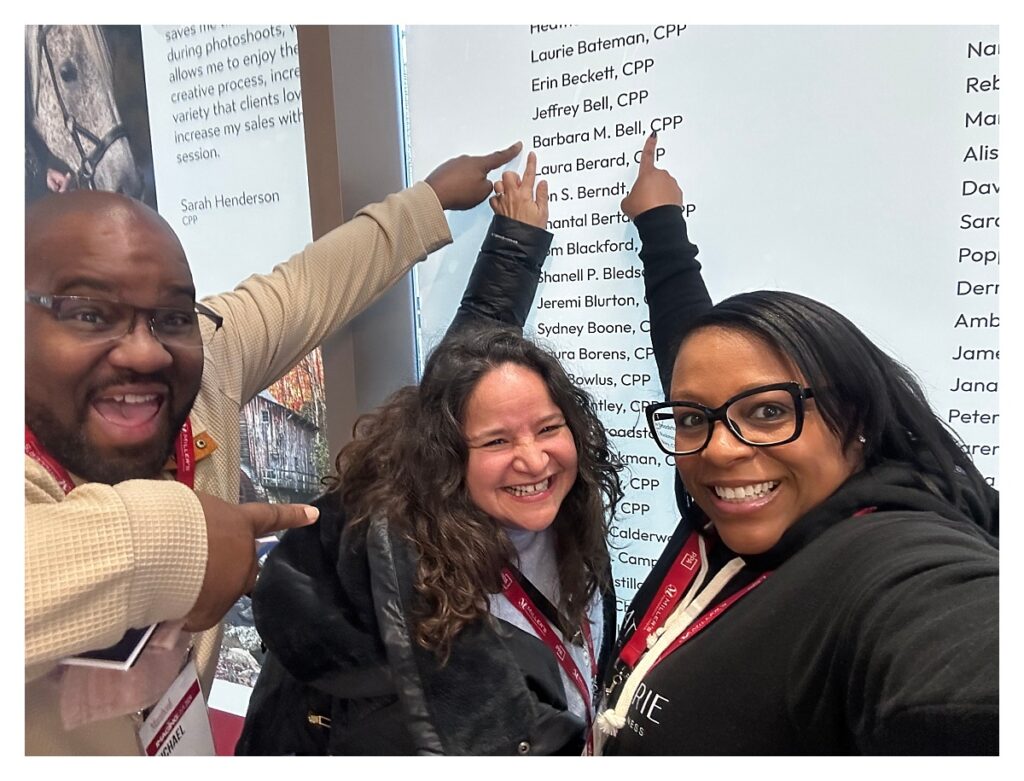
<point x="856" y="165"/>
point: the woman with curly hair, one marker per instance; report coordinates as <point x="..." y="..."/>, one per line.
<point x="455" y="597"/>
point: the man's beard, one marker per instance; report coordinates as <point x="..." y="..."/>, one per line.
<point x="73" y="452"/>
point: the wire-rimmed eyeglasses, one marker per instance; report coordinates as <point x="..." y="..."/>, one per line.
<point x="763" y="416"/>
<point x="99" y="320"/>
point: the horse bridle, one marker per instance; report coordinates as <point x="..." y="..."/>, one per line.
<point x="89" y="162"/>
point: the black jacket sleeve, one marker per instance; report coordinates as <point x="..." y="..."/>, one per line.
<point x="909" y="647"/>
<point x="675" y="290"/>
<point x="504" y="280"/>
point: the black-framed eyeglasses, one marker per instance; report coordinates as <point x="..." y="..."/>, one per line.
<point x="99" y="320"/>
<point x="761" y="417"/>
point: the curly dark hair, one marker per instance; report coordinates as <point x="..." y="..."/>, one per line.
<point x="407" y="463"/>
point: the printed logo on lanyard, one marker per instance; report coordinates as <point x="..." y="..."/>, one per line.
<point x="518" y="597"/>
<point x="663" y="631"/>
<point x="679" y="578"/>
<point x="522" y="602"/>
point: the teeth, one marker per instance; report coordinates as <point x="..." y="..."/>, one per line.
<point x="529" y="490"/>
<point x="139" y="398"/>
<point x="134" y="398"/>
<point x="744" y="493"/>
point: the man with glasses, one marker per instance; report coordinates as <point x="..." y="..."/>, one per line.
<point x="132" y="399"/>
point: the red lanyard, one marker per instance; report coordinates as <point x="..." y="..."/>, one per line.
<point x="37" y="452"/>
<point x="675" y="583"/>
<point x="678" y="579"/>
<point x="705" y="619"/>
<point x="184" y="457"/>
<point x="522" y="602"/>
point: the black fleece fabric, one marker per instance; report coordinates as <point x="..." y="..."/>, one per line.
<point x="873" y="634"/>
<point x="344" y="676"/>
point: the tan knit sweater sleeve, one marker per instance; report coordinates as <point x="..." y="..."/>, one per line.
<point x="104" y="559"/>
<point x="279" y="317"/>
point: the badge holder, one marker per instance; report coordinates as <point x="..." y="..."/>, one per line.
<point x="178" y="725"/>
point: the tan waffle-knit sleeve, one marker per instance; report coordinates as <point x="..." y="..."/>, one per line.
<point x="104" y="559"/>
<point x="273" y="320"/>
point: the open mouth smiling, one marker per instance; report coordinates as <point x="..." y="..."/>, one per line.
<point x="744" y="493"/>
<point x="529" y="490"/>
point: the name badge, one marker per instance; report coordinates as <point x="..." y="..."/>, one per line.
<point x="178" y="724"/>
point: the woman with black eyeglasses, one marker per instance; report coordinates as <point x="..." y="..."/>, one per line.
<point x="833" y="587"/>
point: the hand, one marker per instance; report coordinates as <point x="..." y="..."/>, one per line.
<point x="56" y="181"/>
<point x="653" y="186"/>
<point x="231" y="532"/>
<point x="461" y="183"/>
<point x="514" y="196"/>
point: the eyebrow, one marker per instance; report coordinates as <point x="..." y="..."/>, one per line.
<point x="90" y="283"/>
<point x="102" y="286"/>
<point x="673" y="396"/>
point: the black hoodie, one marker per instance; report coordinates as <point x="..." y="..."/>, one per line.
<point x="874" y="634"/>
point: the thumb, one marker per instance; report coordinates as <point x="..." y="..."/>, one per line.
<point x="502" y="156"/>
<point x="267" y="518"/>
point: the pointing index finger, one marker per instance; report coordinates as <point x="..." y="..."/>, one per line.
<point x="530" y="173"/>
<point x="647" y="155"/>
<point x="268" y="518"/>
<point x="502" y="156"/>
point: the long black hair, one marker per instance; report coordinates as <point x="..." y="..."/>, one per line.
<point x="859" y="390"/>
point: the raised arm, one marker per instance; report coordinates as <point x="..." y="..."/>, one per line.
<point x="675" y="289"/>
<point x="273" y="320"/>
<point x="504" y="280"/>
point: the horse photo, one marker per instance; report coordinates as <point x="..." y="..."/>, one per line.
<point x="74" y="133"/>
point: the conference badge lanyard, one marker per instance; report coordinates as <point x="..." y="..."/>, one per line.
<point x="682" y="575"/>
<point x="184" y="457"/>
<point x="178" y="724"/>
<point x="668" y="623"/>
<point x="522" y="602"/>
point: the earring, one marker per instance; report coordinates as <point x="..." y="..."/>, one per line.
<point x="860" y="438"/>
